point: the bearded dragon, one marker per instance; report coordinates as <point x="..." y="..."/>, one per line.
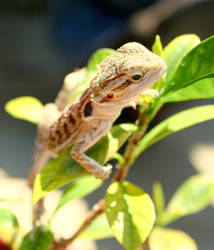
<point x="120" y="79"/>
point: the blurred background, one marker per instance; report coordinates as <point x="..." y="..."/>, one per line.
<point x="41" y="41"/>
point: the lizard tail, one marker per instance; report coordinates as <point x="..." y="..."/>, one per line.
<point x="40" y="157"/>
<point x="41" y="153"/>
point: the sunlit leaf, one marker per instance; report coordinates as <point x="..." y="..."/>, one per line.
<point x="96" y="58"/>
<point x="130" y="213"/>
<point x="201" y="89"/>
<point x="173" y="54"/>
<point x="176" y="50"/>
<point x="170" y="239"/>
<point x="157" y="47"/>
<point x="7" y="218"/>
<point x="26" y="108"/>
<point x="158" y="197"/>
<point x="78" y="189"/>
<point x="175" y="123"/>
<point x="99" y="229"/>
<point x="8" y="225"/>
<point x="64" y="169"/>
<point x="194" y="195"/>
<point x="196" y="65"/>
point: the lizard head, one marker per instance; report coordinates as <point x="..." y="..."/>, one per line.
<point x="127" y="73"/>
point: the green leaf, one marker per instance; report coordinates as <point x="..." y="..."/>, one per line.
<point x="158" y="197"/>
<point x="80" y="88"/>
<point x="119" y="158"/>
<point x="175" y="123"/>
<point x="26" y="108"/>
<point x="194" y="195"/>
<point x="64" y="169"/>
<point x="8" y="219"/>
<point x="157" y="47"/>
<point x="96" y="58"/>
<point x="130" y="213"/>
<point x="99" y="229"/>
<point x="196" y="65"/>
<point x="176" y="50"/>
<point x="170" y="239"/>
<point x="173" y="54"/>
<point x="201" y="89"/>
<point x="9" y="226"/>
<point x="39" y="239"/>
<point x="78" y="189"/>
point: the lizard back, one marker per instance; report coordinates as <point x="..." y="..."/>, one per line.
<point x="66" y="127"/>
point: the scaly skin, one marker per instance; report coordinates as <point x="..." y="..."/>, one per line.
<point x="120" y="79"/>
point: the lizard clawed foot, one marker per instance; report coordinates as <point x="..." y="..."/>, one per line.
<point x="106" y="171"/>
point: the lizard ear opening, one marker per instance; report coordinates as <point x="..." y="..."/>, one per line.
<point x="88" y="109"/>
<point x="110" y="95"/>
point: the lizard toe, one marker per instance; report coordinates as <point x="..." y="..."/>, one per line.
<point x="107" y="171"/>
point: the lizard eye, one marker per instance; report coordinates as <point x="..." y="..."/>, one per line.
<point x="136" y="75"/>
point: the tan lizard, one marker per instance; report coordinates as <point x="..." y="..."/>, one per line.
<point x="120" y="79"/>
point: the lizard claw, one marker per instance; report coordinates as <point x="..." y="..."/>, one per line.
<point x="102" y="172"/>
<point x="106" y="171"/>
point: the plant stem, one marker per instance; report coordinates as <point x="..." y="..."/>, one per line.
<point x="131" y="147"/>
<point x="144" y="246"/>
<point x="120" y="175"/>
<point x="97" y="210"/>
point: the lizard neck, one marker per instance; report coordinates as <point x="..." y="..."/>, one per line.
<point x="107" y="110"/>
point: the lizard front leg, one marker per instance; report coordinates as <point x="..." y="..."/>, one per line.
<point x="85" y="142"/>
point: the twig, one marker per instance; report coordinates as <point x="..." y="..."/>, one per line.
<point x="120" y="175"/>
<point x="97" y="210"/>
<point x="144" y="246"/>
<point x="131" y="147"/>
<point x="38" y="212"/>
